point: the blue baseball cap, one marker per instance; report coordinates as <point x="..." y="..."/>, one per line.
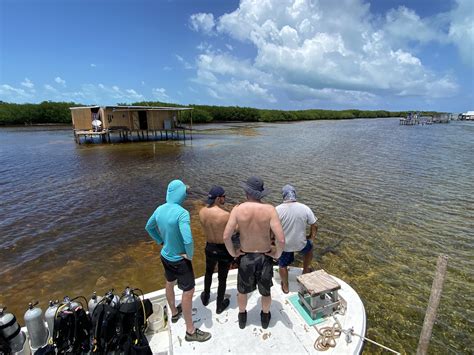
<point x="215" y="192"/>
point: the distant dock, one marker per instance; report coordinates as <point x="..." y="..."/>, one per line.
<point x="108" y="124"/>
<point x="409" y="121"/>
<point x="417" y="119"/>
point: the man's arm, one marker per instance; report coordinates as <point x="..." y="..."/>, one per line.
<point x="313" y="231"/>
<point x="277" y="230"/>
<point x="184" y="223"/>
<point x="152" y="229"/>
<point x="228" y="231"/>
<point x="313" y="222"/>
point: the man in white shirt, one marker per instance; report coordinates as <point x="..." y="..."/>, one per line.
<point x="294" y="218"/>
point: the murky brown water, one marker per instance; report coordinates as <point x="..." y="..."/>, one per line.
<point x="389" y="199"/>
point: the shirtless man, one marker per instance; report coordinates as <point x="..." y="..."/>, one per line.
<point x="213" y="220"/>
<point x="256" y="221"/>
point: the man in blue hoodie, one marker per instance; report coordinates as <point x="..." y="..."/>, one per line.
<point x="170" y="226"/>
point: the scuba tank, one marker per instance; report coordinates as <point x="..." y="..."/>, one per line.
<point x="72" y="305"/>
<point x="35" y="324"/>
<point x="11" y="330"/>
<point x="107" y="328"/>
<point x="111" y="299"/>
<point x="49" y="315"/>
<point x="71" y="327"/>
<point x="128" y="296"/>
<point x="93" y="302"/>
<point x="135" y="312"/>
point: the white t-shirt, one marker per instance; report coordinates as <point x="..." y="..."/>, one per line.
<point x="294" y="217"/>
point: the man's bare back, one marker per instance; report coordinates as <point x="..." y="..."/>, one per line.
<point x="255" y="220"/>
<point x="213" y="221"/>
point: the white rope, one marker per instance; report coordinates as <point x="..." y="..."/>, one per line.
<point x="328" y="335"/>
<point x="374" y="342"/>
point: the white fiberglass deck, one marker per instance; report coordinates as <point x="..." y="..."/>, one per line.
<point x="287" y="333"/>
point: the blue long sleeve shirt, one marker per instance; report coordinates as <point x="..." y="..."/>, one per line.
<point x="170" y="224"/>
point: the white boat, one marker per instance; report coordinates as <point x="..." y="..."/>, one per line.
<point x="291" y="329"/>
<point x="289" y="332"/>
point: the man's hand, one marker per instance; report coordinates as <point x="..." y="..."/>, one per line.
<point x="273" y="253"/>
<point x="185" y="256"/>
<point x="237" y="253"/>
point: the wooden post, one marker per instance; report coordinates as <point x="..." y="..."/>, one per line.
<point x="433" y="303"/>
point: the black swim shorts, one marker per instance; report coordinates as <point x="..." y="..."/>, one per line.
<point x="181" y="270"/>
<point x="255" y="269"/>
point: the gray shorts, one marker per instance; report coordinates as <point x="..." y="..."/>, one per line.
<point x="255" y="269"/>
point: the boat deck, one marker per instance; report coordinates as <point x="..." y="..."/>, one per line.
<point x="288" y="331"/>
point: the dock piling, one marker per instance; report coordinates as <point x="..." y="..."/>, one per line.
<point x="433" y="303"/>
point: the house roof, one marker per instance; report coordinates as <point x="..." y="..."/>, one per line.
<point x="136" y="108"/>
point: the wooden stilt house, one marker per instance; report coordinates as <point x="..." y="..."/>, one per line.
<point x="126" y="121"/>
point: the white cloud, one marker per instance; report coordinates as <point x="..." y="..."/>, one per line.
<point x="87" y="93"/>
<point x="456" y="27"/>
<point x="202" y="22"/>
<point x="50" y="88"/>
<point x="204" y="47"/>
<point x="105" y="94"/>
<point x="404" y="24"/>
<point x="184" y="62"/>
<point x="461" y="31"/>
<point x="302" y="94"/>
<point x="10" y="93"/>
<point x="213" y="68"/>
<point x="214" y="65"/>
<point x="93" y="65"/>
<point x="241" y="90"/>
<point x="160" y="94"/>
<point x="300" y="46"/>
<point x="28" y="83"/>
<point x="60" y="81"/>
<point x="133" y="95"/>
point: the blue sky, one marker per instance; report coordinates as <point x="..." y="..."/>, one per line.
<point x="282" y="54"/>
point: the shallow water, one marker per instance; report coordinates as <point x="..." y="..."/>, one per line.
<point x="389" y="200"/>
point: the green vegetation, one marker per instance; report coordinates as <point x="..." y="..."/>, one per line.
<point x="58" y="112"/>
<point x="45" y="112"/>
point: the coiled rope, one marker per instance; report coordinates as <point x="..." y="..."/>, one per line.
<point x="328" y="335"/>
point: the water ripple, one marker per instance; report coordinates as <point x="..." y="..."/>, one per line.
<point x="388" y="198"/>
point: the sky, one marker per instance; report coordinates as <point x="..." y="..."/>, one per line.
<point x="276" y="54"/>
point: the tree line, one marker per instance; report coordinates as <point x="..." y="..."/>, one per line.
<point x="59" y="113"/>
